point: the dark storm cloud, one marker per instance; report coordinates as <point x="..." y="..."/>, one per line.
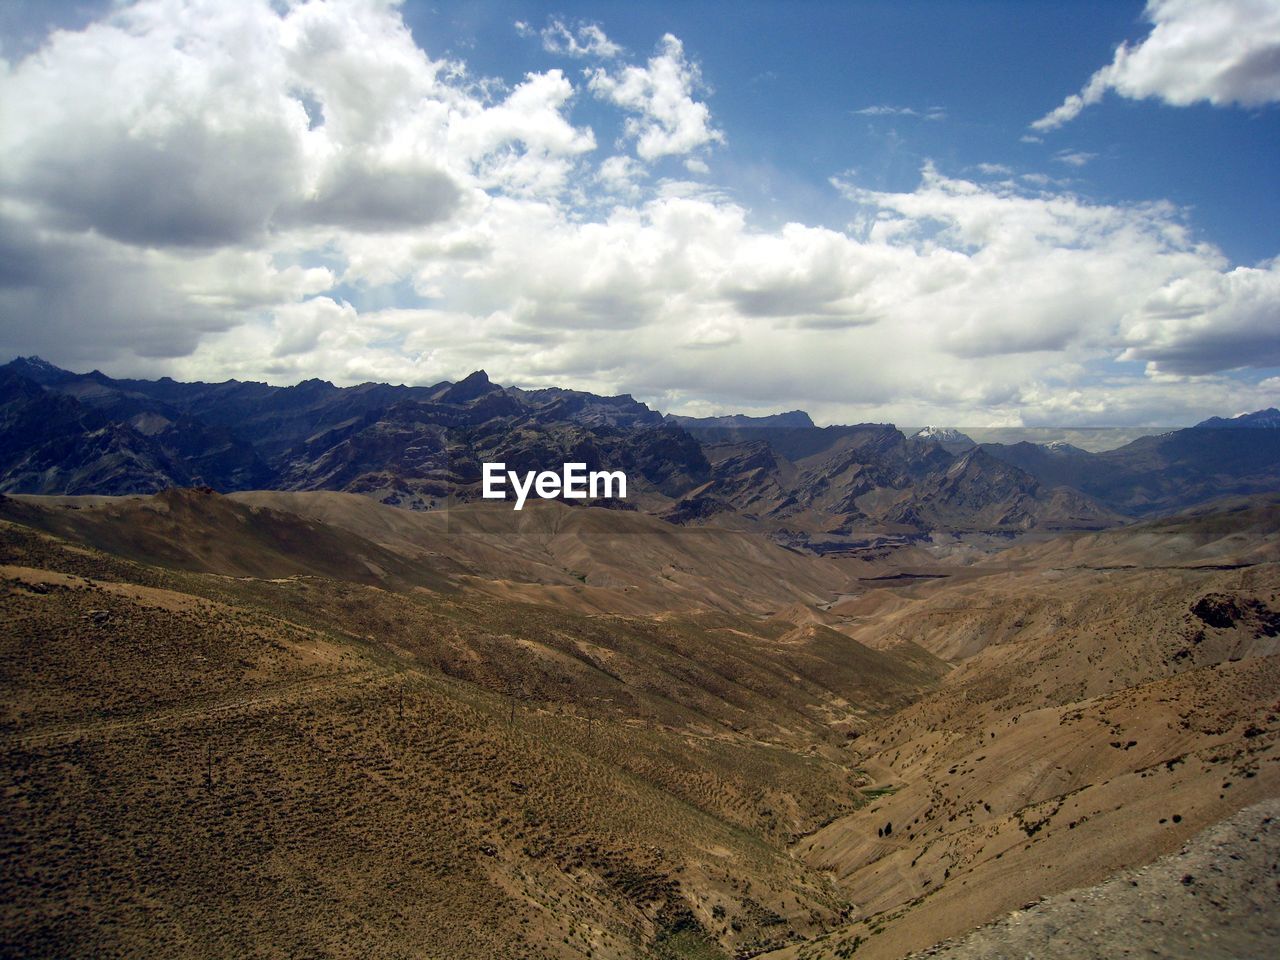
<point x="372" y="199"/>
<point x="69" y="299"/>
<point x="188" y="186"/>
<point x="1218" y="351"/>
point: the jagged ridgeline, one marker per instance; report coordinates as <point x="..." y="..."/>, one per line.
<point x="826" y="489"/>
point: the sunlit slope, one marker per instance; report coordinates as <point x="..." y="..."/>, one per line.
<point x="1117" y="605"/>
<point x="590" y="559"/>
<point x="213" y="764"/>
<point x="584" y="558"/>
<point x="1205" y="902"/>
<point x="418" y="723"/>
<point x="1098" y="715"/>
<point x="199" y="530"/>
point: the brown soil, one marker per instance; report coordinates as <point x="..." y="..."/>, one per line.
<point x="1218" y="898"/>
<point x="306" y="725"/>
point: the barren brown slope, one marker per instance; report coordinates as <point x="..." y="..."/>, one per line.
<point x="1096" y="718"/>
<point x="202" y="765"/>
<point x="318" y="763"/>
<point x="1118" y="599"/>
<point x="199" y="530"/>
<point x="587" y="558"/>
<point x="1058" y="798"/>
<point x="1232" y="531"/>
<point x="1218" y="898"/>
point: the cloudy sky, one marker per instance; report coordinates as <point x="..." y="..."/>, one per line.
<point x="975" y="214"/>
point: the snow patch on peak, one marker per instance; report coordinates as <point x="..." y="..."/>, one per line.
<point x="1062" y="448"/>
<point x="948" y="437"/>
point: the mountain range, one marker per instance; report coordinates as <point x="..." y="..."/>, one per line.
<point x="836" y="489"/>
<point x="806" y="692"/>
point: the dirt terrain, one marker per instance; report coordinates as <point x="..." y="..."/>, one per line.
<point x="307" y="724"/>
<point x="1218" y="898"/>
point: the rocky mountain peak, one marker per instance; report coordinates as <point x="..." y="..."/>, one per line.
<point x="949" y="438"/>
<point x="1268" y="419"/>
<point x="469" y="388"/>
<point x="38" y="370"/>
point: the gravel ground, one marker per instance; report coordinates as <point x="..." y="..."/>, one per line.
<point x="1217" y="898"/>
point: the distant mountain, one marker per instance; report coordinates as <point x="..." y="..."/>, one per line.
<point x="846" y="487"/>
<point x="1268" y="419"/>
<point x="1060" y="465"/>
<point x="856" y="485"/>
<point x="1160" y="474"/>
<point x="1061" y="448"/>
<point x="979" y="492"/>
<point x="790" y="419"/>
<point x="40" y="371"/>
<point x="409" y="446"/>
<point x="51" y="443"/>
<point x="950" y="439"/>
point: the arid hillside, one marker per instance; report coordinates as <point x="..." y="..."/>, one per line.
<point x="1112" y="694"/>
<point x="310" y="724"/>
<point x="592" y="560"/>
<point x="199" y="759"/>
<point x="1234" y="864"/>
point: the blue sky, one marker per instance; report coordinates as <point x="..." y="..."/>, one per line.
<point x="788" y="81"/>
<point x="977" y="213"/>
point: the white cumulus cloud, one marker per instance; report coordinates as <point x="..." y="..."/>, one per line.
<point x="1208" y="320"/>
<point x="266" y="191"/>
<point x="1221" y="52"/>
<point x="587" y="40"/>
<point x="668" y="120"/>
<point x="149" y="150"/>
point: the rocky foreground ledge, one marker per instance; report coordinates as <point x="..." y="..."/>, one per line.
<point x="1217" y="898"/>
